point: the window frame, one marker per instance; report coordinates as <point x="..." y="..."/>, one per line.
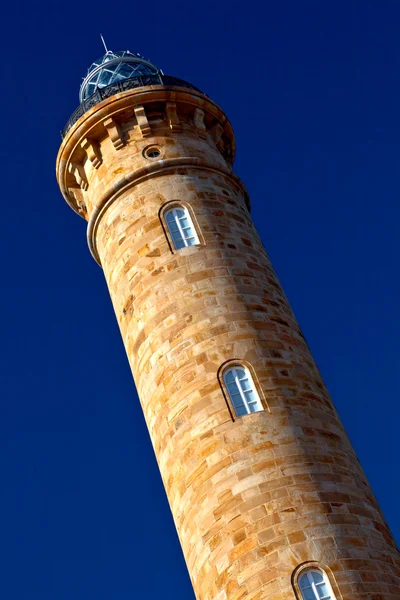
<point x="315" y="566"/>
<point x="176" y="205"/>
<point x="243" y="364"/>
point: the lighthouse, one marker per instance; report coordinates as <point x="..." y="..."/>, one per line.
<point x="268" y="497"/>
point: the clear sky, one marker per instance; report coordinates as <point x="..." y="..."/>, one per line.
<point x="313" y="92"/>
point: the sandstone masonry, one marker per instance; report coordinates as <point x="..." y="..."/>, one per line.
<point x="255" y="499"/>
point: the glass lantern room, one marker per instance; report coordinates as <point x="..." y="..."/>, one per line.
<point x="114" y="67"/>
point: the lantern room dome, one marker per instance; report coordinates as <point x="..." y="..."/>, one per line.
<point x="114" y="67"/>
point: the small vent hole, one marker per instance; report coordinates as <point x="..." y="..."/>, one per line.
<point x="152" y="152"/>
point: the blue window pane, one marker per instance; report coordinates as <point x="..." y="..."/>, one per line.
<point x="250" y="396"/>
<point x="308" y="594"/>
<point x="323" y="591"/>
<point x="303" y="581"/>
<point x="170" y="218"/>
<point x="175" y="234"/>
<point x="229" y="378"/>
<point x="240" y="410"/>
<point x="305" y="587"/>
<point x="232" y="387"/>
<point x="317" y="576"/>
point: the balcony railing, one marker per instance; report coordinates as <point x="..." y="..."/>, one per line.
<point x="122" y="86"/>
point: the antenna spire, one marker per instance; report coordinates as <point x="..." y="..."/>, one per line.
<point x="104" y="44"/>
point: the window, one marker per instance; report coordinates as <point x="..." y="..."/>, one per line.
<point x="314" y="585"/>
<point x="152" y="152"/>
<point x="242" y="391"/>
<point x="180" y="227"/>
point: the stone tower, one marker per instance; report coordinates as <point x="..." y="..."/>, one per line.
<point x="267" y="494"/>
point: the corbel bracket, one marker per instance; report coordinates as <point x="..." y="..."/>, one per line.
<point x="78" y="172"/>
<point x="142" y="121"/>
<point x="113" y="132"/>
<point x="93" y="152"/>
<point x="77" y="196"/>
<point x="172" y="116"/>
<point x="199" y="122"/>
<point x="216" y="133"/>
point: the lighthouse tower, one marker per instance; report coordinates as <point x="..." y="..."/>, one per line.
<point x="268" y="497"/>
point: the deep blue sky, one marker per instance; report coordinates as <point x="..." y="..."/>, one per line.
<point x="313" y="92"/>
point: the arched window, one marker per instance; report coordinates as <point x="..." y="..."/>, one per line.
<point x="180" y="227"/>
<point x="242" y="391"/>
<point x="314" y="585"/>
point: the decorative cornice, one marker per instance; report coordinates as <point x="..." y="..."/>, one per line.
<point x="82" y="138"/>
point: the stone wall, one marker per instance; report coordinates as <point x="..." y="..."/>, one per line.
<point x="254" y="498"/>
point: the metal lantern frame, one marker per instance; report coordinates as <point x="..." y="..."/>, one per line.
<point x="114" y="67"/>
